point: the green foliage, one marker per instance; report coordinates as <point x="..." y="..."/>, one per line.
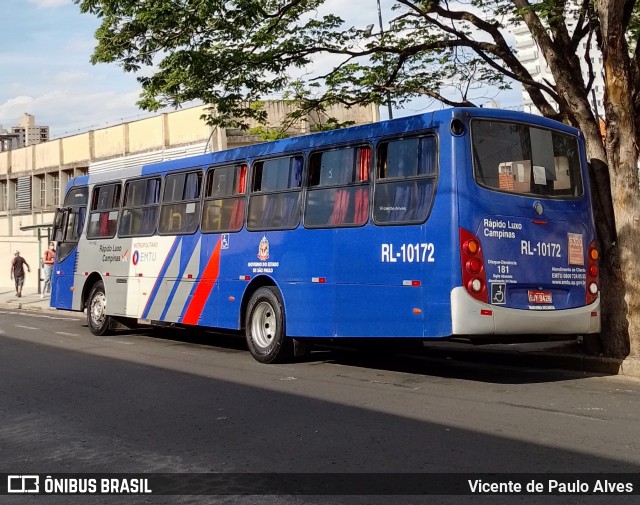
<point x="233" y="54"/>
<point x="633" y="30"/>
<point x="268" y="134"/>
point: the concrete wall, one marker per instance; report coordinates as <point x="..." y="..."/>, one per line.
<point x="110" y="142"/>
<point x="77" y="149"/>
<point x="48" y="154"/>
<point x="12" y="239"/>
<point x="5" y="162"/>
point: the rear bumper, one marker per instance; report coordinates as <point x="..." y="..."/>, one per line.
<point x="467" y="319"/>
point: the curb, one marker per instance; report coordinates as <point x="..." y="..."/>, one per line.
<point x="27" y="307"/>
<point x="630" y="367"/>
<point x="570" y="360"/>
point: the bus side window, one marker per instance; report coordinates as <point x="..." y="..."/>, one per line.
<point x="274" y="202"/>
<point x="180" y="209"/>
<point x="406" y="180"/>
<point x="140" y="208"/>
<point x="103" y="217"/>
<point x="223" y="208"/>
<point x="338" y="188"/>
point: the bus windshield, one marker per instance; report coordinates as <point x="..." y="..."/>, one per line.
<point x="521" y="159"/>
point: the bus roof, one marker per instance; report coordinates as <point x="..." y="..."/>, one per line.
<point x="352" y="134"/>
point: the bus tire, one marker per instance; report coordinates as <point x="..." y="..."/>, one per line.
<point x="97" y="319"/>
<point x="265" y="327"/>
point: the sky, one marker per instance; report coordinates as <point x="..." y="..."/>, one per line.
<point x="45" y="70"/>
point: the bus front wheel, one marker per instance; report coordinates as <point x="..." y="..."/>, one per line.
<point x="265" y="327"/>
<point x="98" y="320"/>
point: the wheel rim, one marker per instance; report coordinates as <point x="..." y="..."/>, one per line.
<point x="98" y="309"/>
<point x="263" y="325"/>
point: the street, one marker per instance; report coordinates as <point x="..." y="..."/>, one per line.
<point x="181" y="402"/>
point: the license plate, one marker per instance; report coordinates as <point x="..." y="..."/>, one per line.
<point x="540" y="296"/>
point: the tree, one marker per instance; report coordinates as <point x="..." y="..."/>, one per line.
<point x="232" y="53"/>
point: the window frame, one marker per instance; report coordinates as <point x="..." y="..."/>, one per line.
<point x="197" y="201"/>
<point x="237" y="165"/>
<point x="474" y="161"/>
<point x="252" y="194"/>
<point x="338" y="186"/>
<point x="124" y="207"/>
<point x="435" y="176"/>
<point x="95" y="190"/>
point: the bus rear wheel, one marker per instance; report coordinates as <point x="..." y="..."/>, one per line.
<point x="98" y="320"/>
<point x="265" y="327"/>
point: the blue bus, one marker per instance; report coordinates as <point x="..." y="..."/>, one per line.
<point x="463" y="222"/>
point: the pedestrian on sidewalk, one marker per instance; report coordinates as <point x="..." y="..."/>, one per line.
<point x="17" y="272"/>
<point x="47" y="264"/>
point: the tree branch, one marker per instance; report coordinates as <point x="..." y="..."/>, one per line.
<point x="515" y="70"/>
<point x="432" y="94"/>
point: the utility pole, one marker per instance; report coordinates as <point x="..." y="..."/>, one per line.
<point x="382" y="40"/>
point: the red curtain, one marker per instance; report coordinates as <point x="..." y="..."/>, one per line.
<point x="104" y="224"/>
<point x="362" y="194"/>
<point x="237" y="213"/>
<point x="340" y="206"/>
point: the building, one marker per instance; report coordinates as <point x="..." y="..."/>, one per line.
<point x="33" y="178"/>
<point x="531" y="57"/>
<point x="25" y="134"/>
<point x="9" y="140"/>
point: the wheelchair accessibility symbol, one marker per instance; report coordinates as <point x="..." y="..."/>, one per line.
<point x="498" y="293"/>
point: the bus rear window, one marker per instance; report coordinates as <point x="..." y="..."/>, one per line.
<point x="521" y="159"/>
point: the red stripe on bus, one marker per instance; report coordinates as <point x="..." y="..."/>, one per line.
<point x="203" y="290"/>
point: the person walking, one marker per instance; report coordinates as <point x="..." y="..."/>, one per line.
<point x="17" y="272"/>
<point x="47" y="263"/>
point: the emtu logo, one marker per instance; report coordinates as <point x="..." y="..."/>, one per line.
<point x="23" y="484"/>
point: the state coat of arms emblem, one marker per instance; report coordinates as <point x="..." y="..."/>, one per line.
<point x="263" y="249"/>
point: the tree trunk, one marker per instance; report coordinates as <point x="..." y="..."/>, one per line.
<point x="621" y="270"/>
<point x="621" y="266"/>
<point x="615" y="335"/>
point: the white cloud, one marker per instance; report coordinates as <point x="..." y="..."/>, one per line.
<point x="66" y="111"/>
<point x="47" y="4"/>
<point x="16" y="101"/>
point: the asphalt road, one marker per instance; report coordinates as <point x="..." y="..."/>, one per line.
<point x="181" y="402"/>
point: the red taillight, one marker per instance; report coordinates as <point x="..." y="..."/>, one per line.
<point x="474" y="266"/>
<point x="474" y="278"/>
<point x="593" y="281"/>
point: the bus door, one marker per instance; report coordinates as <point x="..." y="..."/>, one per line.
<point x="68" y="224"/>
<point x="529" y="208"/>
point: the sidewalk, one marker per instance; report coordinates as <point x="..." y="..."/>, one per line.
<point x="30" y="300"/>
<point x="544" y="355"/>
